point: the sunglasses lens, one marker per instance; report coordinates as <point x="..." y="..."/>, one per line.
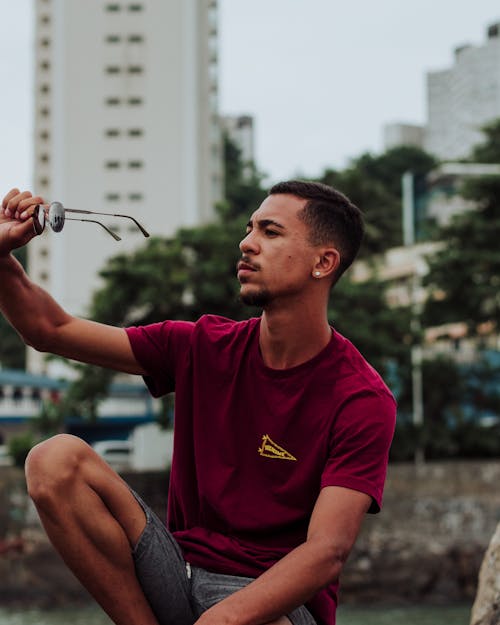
<point x="56" y="216"/>
<point x="38" y="219"/>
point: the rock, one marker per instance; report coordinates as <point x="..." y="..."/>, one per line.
<point x="486" y="608"/>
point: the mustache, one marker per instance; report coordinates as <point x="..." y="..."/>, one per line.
<point x="245" y="260"/>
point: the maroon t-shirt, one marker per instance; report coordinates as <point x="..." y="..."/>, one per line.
<point x="253" y="446"/>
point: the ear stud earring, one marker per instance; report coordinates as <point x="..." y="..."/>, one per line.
<point x="317" y="273"/>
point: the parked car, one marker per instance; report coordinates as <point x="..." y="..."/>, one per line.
<point x="118" y="454"/>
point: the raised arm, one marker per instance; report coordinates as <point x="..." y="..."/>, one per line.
<point x="36" y="316"/>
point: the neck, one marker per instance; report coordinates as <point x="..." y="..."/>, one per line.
<point x="288" y="339"/>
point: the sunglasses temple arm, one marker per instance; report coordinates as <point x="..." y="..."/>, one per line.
<point x="94" y="221"/>
<point x="87" y="212"/>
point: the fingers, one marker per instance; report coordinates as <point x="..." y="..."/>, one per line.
<point x="12" y="193"/>
<point x="20" y="205"/>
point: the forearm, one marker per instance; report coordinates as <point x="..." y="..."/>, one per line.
<point x="29" y="309"/>
<point x="288" y="584"/>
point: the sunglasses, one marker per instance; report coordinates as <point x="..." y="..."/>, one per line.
<point x="55" y="216"/>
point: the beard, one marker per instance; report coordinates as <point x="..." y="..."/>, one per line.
<point x="259" y="299"/>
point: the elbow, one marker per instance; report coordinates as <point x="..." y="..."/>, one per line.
<point x="334" y="557"/>
<point x="337" y="557"/>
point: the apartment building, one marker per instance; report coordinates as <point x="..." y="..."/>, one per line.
<point x="126" y="122"/>
<point x="464" y="97"/>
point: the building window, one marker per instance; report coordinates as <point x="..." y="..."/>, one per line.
<point x="135" y="69"/>
<point x="136" y="101"/>
<point x="45" y="42"/>
<point x="135" y="197"/>
<point x="113" y="39"/>
<point x="113" y="101"/>
<point x="45" y="19"/>
<point x="135" y="8"/>
<point x="113" y="69"/>
<point x="135" y="132"/>
<point x="112" y="197"/>
<point x="44" y="252"/>
<point x="44" y="135"/>
<point x="135" y="164"/>
<point x="44" y="65"/>
<point x="113" y="132"/>
<point x="44" y="111"/>
<point x="45" y="88"/>
<point x="135" y="38"/>
<point x="112" y="7"/>
<point x="43" y="182"/>
<point x="112" y="164"/>
<point x="44" y="158"/>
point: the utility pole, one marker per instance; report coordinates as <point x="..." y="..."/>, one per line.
<point x="409" y="239"/>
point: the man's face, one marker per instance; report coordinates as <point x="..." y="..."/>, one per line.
<point x="277" y="259"/>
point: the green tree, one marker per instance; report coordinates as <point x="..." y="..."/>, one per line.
<point x="243" y="190"/>
<point x="374" y="184"/>
<point x="464" y="275"/>
<point x="381" y="333"/>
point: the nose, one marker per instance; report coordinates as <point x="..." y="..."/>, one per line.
<point x="249" y="245"/>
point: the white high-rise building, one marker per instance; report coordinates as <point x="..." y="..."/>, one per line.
<point x="126" y="121"/>
<point x="463" y="98"/>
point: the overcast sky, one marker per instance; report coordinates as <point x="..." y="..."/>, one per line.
<point x="320" y="77"/>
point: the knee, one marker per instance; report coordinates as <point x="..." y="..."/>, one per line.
<point x="53" y="465"/>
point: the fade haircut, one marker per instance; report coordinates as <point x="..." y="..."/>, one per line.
<point x="332" y="219"/>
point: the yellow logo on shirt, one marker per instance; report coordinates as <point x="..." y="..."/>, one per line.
<point x="270" y="449"/>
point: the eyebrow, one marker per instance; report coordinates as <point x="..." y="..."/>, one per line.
<point x="264" y="223"/>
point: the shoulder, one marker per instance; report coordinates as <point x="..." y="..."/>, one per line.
<point x="356" y="372"/>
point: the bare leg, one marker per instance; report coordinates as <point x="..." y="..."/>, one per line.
<point x="93" y="520"/>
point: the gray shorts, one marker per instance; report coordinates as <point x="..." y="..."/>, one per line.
<point x="177" y="592"/>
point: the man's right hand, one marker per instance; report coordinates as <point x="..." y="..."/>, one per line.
<point x="16" y="225"/>
<point x="36" y="316"/>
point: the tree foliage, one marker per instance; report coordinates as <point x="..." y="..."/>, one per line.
<point x="374" y="184"/>
<point x="464" y="276"/>
<point x="382" y="334"/>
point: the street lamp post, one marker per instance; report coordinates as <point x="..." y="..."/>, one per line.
<point x="416" y="348"/>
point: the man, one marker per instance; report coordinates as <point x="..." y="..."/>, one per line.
<point x="282" y="433"/>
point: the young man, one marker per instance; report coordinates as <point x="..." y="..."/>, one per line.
<point x="282" y="433"/>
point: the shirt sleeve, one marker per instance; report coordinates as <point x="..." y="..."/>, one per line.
<point x="360" y="443"/>
<point x="159" y="348"/>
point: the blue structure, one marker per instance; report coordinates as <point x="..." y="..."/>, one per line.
<point x="23" y="396"/>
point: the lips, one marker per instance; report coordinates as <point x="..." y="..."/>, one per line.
<point x="242" y="266"/>
<point x="245" y="269"/>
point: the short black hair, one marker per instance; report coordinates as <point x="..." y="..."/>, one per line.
<point x="331" y="217"/>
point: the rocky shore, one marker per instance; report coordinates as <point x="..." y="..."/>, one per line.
<point x="426" y="546"/>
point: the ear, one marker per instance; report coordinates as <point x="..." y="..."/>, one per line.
<point x="326" y="263"/>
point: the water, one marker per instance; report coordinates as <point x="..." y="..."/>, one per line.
<point x="415" y="615"/>
<point x="347" y="615"/>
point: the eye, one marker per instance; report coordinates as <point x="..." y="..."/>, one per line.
<point x="271" y="233"/>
